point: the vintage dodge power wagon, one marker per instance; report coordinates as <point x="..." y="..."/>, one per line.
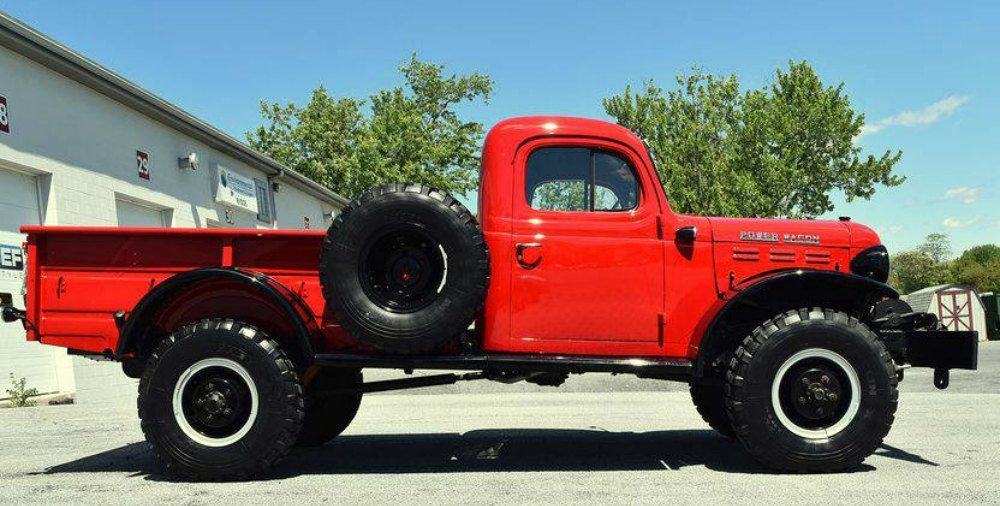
<point x="249" y="342"/>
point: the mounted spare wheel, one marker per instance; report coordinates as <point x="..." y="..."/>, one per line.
<point x="404" y="268"/>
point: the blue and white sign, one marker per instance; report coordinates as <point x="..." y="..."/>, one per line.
<point x="11" y="262"/>
<point x="235" y="189"/>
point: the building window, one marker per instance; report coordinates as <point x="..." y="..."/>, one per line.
<point x="265" y="207"/>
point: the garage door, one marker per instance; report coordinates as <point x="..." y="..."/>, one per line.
<point x="132" y="214"/>
<point x="35" y="362"/>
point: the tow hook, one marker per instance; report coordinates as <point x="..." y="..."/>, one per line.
<point x="941" y="377"/>
<point x="11" y="314"/>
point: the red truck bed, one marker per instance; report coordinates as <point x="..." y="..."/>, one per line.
<point x="85" y="275"/>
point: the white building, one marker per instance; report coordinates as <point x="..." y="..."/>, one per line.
<point x="958" y="307"/>
<point x="80" y="145"/>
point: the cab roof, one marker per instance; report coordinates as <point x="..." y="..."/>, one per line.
<point x="508" y="134"/>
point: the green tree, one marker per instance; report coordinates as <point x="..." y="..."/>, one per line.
<point x="979" y="267"/>
<point x="775" y="151"/>
<point x="910" y="271"/>
<point x="407" y="134"/>
<point x="926" y="265"/>
<point x="937" y="246"/>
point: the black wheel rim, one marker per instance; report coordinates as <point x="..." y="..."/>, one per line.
<point x="815" y="393"/>
<point x="217" y="402"/>
<point x="402" y="270"/>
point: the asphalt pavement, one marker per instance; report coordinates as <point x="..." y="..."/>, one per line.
<point x="597" y="439"/>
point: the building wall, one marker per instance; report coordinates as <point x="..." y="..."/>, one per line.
<point x="80" y="148"/>
<point x="89" y="142"/>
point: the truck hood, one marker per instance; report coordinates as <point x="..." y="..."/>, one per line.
<point x="823" y="233"/>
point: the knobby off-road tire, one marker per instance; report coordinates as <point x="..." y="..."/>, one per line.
<point x="405" y="268"/>
<point x="779" y="385"/>
<point x="219" y="400"/>
<point x="710" y="401"/>
<point x="327" y="415"/>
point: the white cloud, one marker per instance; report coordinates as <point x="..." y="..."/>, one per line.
<point x="889" y="229"/>
<point x="925" y="116"/>
<point x="966" y="194"/>
<point x="952" y="222"/>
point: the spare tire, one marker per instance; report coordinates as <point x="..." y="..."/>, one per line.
<point x="404" y="268"/>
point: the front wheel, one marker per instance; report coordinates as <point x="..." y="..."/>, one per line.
<point x="219" y="400"/>
<point x="811" y="390"/>
<point x="710" y="402"/>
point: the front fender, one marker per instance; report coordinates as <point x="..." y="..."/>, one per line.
<point x="759" y="298"/>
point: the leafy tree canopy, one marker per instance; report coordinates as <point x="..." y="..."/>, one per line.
<point x="928" y="265"/>
<point x="936" y="246"/>
<point x="410" y="133"/>
<point x="776" y="151"/>
<point x="979" y="267"/>
<point x="910" y="271"/>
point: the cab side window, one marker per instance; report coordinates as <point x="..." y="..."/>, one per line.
<point x="580" y="179"/>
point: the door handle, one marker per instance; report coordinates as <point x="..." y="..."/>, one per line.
<point x="520" y="247"/>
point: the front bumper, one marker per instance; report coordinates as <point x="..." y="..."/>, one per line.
<point x="941" y="350"/>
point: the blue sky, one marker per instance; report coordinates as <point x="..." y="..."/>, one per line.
<point x="925" y="74"/>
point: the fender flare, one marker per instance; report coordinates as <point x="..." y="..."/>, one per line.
<point x="132" y="329"/>
<point x="774" y="292"/>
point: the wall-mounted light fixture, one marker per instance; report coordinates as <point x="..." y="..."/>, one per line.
<point x="188" y="162"/>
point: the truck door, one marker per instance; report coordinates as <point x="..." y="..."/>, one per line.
<point x="588" y="274"/>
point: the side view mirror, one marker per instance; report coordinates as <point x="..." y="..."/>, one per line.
<point x="686" y="234"/>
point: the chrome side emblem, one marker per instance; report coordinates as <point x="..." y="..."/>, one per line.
<point x="759" y="236"/>
<point x="773" y="237"/>
<point x="801" y="238"/>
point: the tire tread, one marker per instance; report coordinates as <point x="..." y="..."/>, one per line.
<point x="481" y="271"/>
<point x="736" y="392"/>
<point x="293" y="394"/>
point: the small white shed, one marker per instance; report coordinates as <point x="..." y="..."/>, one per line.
<point x="958" y="307"/>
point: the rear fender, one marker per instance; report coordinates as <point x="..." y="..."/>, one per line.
<point x="135" y="328"/>
<point x="763" y="297"/>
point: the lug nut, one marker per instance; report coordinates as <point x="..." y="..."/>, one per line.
<point x="825" y="379"/>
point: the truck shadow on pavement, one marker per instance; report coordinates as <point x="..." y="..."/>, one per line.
<point x="494" y="450"/>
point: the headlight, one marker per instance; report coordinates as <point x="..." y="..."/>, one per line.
<point x="872" y="263"/>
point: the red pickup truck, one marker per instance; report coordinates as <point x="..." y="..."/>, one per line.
<point x="249" y="342"/>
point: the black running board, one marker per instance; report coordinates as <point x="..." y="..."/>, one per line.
<point x="669" y="369"/>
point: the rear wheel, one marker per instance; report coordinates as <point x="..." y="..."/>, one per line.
<point x="219" y="400"/>
<point x="405" y="268"/>
<point x="328" y="413"/>
<point x="811" y="390"/>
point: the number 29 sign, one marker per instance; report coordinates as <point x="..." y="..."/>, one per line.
<point x="142" y="164"/>
<point x="4" y="116"/>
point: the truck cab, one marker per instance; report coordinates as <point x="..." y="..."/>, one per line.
<point x="589" y="258"/>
